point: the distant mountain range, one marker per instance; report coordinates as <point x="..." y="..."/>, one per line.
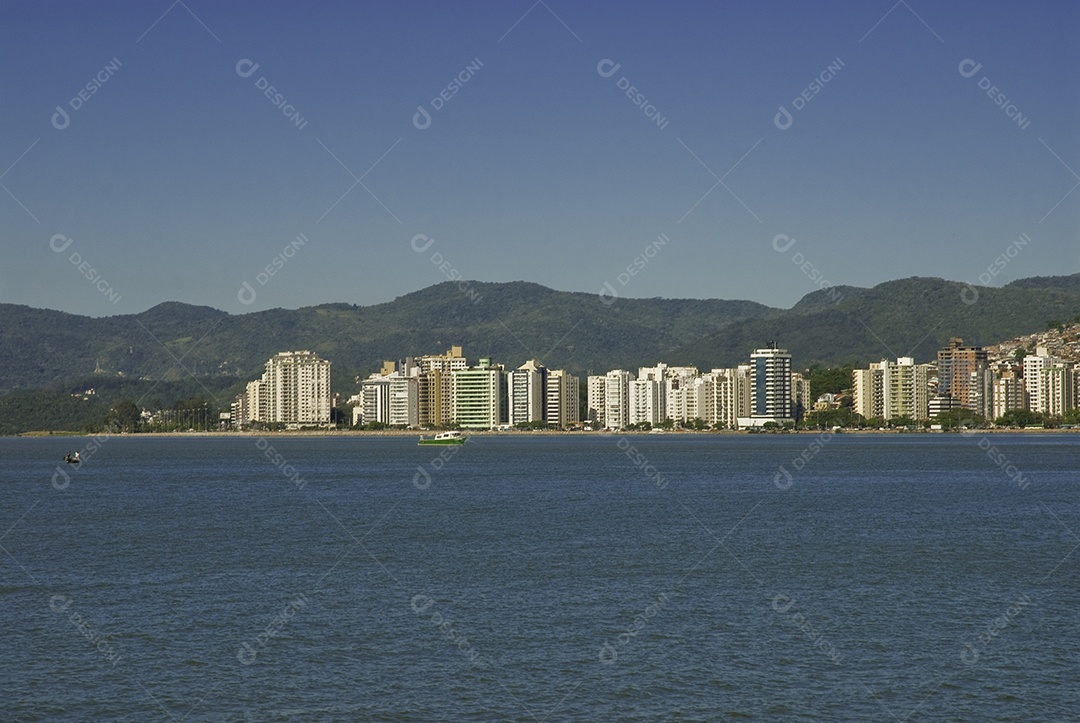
<point x="512" y="322"/>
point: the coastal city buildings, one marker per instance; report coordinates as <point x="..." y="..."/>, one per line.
<point x="616" y="401"/>
<point x="770" y="387"/>
<point x="966" y="380"/>
<point x="479" y="392"/>
<point x="889" y="390"/>
<point x="726" y="396"/>
<point x="720" y="398"/>
<point x="294" y="390"/>
<point x="435" y="387"/>
<point x="527" y="387"/>
<point x="1050" y="383"/>
<point x="1009" y="392"/>
<point x="964" y="376"/>
<point x="562" y="400"/>
<point x="444" y="390"/>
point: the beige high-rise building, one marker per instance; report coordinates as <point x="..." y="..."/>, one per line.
<point x="435" y="389"/>
<point x="1060" y="389"/>
<point x="562" y="399"/>
<point x="868" y="391"/>
<point x="888" y="390"/>
<point x="294" y="390"/>
<point x="725" y="397"/>
<point x="906" y="389"/>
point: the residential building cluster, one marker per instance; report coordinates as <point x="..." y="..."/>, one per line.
<point x="445" y="390"/>
<point x="750" y="395"/>
<point x="294" y="391"/>
<point x="964" y="378"/>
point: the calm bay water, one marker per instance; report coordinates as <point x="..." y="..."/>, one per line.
<point x="665" y="577"/>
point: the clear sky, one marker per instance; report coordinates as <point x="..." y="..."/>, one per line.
<point x="928" y="139"/>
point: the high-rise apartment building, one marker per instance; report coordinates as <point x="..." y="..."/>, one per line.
<point x="800" y="395"/>
<point x="868" y="391"/>
<point x="527" y="387"/>
<point x="890" y="390"/>
<point x="562" y="399"/>
<point x="964" y="375"/>
<point x="595" y="393"/>
<point x="770" y="387"/>
<point x="480" y="397"/>
<point x="1009" y="392"/>
<point x="435" y="389"/>
<point x="617" y="398"/>
<point x="683" y="396"/>
<point x="1060" y="388"/>
<point x="725" y="397"/>
<point x="294" y="390"/>
<point x="646" y="399"/>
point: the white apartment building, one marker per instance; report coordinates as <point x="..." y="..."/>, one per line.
<point x="646" y="401"/>
<point x="683" y="395"/>
<point x="1009" y="393"/>
<point x="294" y="390"/>
<point x="595" y="394"/>
<point x="617" y="398"/>
<point x="527" y="387"/>
<point x="890" y="390"/>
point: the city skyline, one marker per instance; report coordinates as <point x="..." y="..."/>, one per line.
<point x="430" y="391"/>
<point x="760" y="152"/>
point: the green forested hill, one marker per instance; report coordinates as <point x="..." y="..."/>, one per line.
<point x="908" y="317"/>
<point x="511" y="322"/>
<point x="177" y="350"/>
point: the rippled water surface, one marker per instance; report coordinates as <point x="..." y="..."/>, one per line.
<point x="664" y="577"/>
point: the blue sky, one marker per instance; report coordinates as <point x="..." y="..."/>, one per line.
<point x="179" y="179"/>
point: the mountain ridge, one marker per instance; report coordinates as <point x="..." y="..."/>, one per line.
<point x="514" y="321"/>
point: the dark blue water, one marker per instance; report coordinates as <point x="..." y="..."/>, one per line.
<point x="684" y="578"/>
